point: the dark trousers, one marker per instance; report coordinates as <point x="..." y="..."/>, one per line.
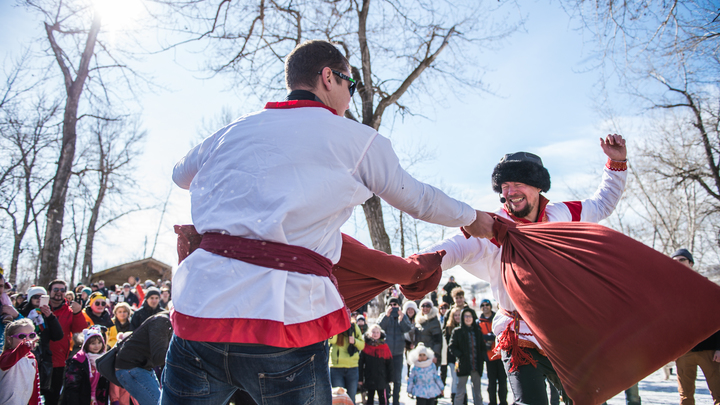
<point x="397" y="378"/>
<point x="497" y="382"/>
<point x="528" y="382"/>
<point x="382" y="397"/>
<point x="52" y="397"/>
<point x="443" y="373"/>
<point x="426" y="401"/>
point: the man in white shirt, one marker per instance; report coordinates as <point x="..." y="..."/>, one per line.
<point x="255" y="304"/>
<point x="520" y="178"/>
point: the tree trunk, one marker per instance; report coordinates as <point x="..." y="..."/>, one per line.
<point x="56" y="207"/>
<point x="376" y="225"/>
<point x="87" y="266"/>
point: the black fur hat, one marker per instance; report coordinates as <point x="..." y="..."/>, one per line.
<point x="522" y="167"/>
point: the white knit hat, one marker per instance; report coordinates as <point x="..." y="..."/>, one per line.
<point x="410" y="304"/>
<point x="33" y="291"/>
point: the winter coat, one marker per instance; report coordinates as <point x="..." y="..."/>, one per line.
<point x="116" y="329"/>
<point x="395" y="331"/>
<point x="461" y="349"/>
<point x="131" y="299"/>
<point x="105" y="319"/>
<point x="70" y="323"/>
<point x="429" y="331"/>
<point x="77" y="388"/>
<point x="447" y="332"/>
<point x="19" y="379"/>
<point x="424" y="382"/>
<point x="375" y="366"/>
<point x="339" y="356"/>
<point x="147" y="346"/>
<point x="489" y="337"/>
<point x="142" y="314"/>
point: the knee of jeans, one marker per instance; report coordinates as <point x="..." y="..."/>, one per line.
<point x="295" y="385"/>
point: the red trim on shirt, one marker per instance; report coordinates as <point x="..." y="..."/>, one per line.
<point x="575" y="208"/>
<point x="259" y="331"/>
<point x="297" y="104"/>
<point x="616" y="166"/>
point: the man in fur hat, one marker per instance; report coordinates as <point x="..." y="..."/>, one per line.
<point x="520" y="178"/>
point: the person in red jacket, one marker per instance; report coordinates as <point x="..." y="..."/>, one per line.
<point x="497" y="379"/>
<point x="72" y="321"/>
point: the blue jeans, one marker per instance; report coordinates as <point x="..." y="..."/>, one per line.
<point x="347" y="378"/>
<point x="204" y="373"/>
<point x="141" y="384"/>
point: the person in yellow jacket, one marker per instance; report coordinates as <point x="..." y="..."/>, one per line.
<point x="344" y="356"/>
<point x="121" y="322"/>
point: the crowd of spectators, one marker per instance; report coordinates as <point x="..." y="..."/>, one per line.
<point x="52" y="337"/>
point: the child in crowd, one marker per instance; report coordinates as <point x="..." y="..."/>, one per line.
<point x="19" y="378"/>
<point x="375" y="365"/>
<point x="83" y="383"/>
<point x="424" y="382"/>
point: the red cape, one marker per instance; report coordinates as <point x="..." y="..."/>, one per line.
<point x="607" y="310"/>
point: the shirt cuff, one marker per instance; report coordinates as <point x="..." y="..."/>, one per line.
<point x="616" y="165"/>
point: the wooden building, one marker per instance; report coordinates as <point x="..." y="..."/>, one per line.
<point x="146" y="269"/>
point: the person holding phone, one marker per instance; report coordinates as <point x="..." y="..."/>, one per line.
<point x="395" y="324"/>
<point x="47" y="327"/>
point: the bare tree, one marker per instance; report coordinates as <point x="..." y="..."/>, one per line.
<point x="396" y="48"/>
<point x="89" y="69"/>
<point x="28" y="134"/>
<point x="107" y="172"/>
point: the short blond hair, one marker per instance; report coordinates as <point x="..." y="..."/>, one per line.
<point x="122" y="305"/>
<point x="12" y="327"/>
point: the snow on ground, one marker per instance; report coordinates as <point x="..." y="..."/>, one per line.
<point x="654" y="390"/>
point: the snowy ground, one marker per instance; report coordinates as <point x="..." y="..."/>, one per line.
<point x="654" y="390"/>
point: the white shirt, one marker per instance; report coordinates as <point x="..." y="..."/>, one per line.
<point x="291" y="176"/>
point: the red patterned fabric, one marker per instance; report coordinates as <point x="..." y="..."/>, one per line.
<point x="597" y="302"/>
<point x="362" y="273"/>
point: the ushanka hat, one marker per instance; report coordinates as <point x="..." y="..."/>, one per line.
<point x="522" y="167"/>
<point x="684" y="253"/>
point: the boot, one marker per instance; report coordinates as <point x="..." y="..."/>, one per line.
<point x="452" y="399"/>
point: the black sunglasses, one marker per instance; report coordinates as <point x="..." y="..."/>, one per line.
<point x="100" y="303"/>
<point x="353" y="83"/>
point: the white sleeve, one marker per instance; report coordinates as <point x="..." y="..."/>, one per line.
<point x="479" y="257"/>
<point x="382" y="174"/>
<point x="186" y="169"/>
<point x="606" y="198"/>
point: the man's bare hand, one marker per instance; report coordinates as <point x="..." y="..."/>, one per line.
<point x="482" y="227"/>
<point x="75" y="307"/>
<point x="614" y="147"/>
<point x="716" y="356"/>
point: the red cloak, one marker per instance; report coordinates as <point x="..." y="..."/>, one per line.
<point x="607" y="310"/>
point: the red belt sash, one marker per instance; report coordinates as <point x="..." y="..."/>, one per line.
<point x="267" y="254"/>
<point x="273" y="255"/>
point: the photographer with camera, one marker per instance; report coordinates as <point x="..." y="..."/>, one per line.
<point x="344" y="356"/>
<point x="395" y="325"/>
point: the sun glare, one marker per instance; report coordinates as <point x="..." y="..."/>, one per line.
<point x="119" y="15"/>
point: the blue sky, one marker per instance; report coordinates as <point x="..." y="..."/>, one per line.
<point x="544" y="104"/>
